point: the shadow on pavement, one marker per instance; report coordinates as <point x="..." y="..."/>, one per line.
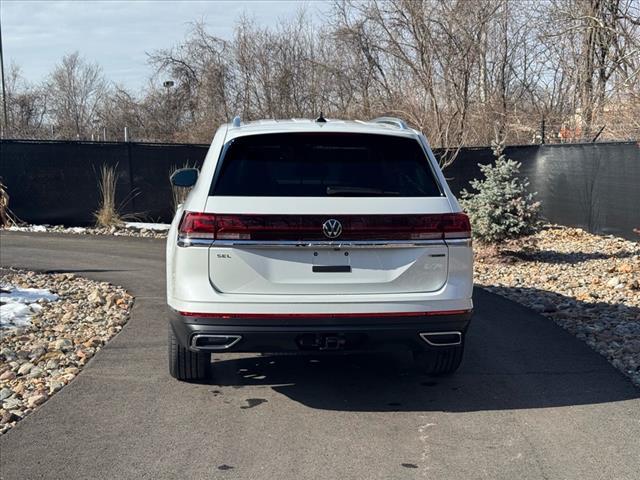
<point x="515" y="359"/>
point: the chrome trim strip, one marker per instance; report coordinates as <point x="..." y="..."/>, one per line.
<point x="194" y="242"/>
<point x="424" y="336"/>
<point x="194" y="341"/>
<point x="206" y="242"/>
<point x="326" y="244"/>
<point x="458" y="242"/>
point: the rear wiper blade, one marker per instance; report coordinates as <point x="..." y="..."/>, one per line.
<point x="358" y="191"/>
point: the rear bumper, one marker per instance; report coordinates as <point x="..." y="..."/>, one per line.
<point x="318" y="334"/>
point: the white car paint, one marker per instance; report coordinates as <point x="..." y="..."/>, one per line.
<point x="436" y="276"/>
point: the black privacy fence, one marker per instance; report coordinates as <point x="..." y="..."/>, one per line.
<point x="595" y="186"/>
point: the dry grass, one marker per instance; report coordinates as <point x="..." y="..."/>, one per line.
<point x="7" y="218"/>
<point x="107" y="215"/>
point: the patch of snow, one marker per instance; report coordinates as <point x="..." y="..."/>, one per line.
<point x="15" y="315"/>
<point x="28" y="228"/>
<point x="26" y="295"/>
<point x="17" y="305"/>
<point x="129" y="229"/>
<point x="148" y="226"/>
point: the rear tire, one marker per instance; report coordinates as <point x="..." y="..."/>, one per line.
<point x="186" y="365"/>
<point x="439" y="361"/>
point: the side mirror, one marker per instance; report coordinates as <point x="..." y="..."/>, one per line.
<point x="184" y="177"/>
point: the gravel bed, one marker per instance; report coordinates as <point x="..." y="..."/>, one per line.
<point x="40" y="358"/>
<point x="588" y="284"/>
<point x="130" y="229"/>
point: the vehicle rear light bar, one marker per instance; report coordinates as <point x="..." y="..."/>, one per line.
<point x="196" y="225"/>
<point x="257" y="316"/>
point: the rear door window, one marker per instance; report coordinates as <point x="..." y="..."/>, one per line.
<point x="324" y="164"/>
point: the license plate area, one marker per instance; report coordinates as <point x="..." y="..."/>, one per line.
<point x="330" y="341"/>
<point x="331" y="269"/>
<point x="331" y="261"/>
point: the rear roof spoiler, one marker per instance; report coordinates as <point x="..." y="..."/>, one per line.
<point x="396" y="122"/>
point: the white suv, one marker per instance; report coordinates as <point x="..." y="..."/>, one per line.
<point x="318" y="236"/>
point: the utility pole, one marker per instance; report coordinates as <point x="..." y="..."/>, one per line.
<point x="167" y="84"/>
<point x="4" y="91"/>
<point x="542" y="131"/>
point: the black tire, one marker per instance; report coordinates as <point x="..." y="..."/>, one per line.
<point x="439" y="361"/>
<point x="186" y="365"/>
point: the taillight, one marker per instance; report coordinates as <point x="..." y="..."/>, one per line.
<point x="198" y="225"/>
<point x="237" y="227"/>
<point x="456" y="225"/>
<point x="310" y="227"/>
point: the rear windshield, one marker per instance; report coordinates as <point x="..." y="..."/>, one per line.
<point x="324" y="164"/>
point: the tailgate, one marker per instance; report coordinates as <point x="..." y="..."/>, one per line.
<point x="318" y="268"/>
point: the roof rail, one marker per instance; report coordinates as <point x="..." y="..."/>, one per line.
<point x="396" y="122"/>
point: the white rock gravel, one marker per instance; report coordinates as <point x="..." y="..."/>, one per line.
<point x="127" y="229"/>
<point x="588" y="284"/>
<point x="39" y="358"/>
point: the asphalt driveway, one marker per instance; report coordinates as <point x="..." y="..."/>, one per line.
<point x="529" y="402"/>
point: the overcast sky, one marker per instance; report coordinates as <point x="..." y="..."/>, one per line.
<point x="117" y="33"/>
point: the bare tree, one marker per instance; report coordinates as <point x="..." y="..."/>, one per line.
<point x="425" y="59"/>
<point x="603" y="40"/>
<point x="457" y="70"/>
<point x="26" y="106"/>
<point x="119" y="109"/>
<point x="76" y="89"/>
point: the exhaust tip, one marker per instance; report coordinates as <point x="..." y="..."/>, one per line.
<point x="214" y="342"/>
<point x="442" y="339"/>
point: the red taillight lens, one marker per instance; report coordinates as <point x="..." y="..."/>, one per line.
<point x="309" y="227"/>
<point x="238" y="227"/>
<point x="456" y="225"/>
<point x="198" y="225"/>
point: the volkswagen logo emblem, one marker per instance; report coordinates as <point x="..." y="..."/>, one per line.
<point x="332" y="228"/>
